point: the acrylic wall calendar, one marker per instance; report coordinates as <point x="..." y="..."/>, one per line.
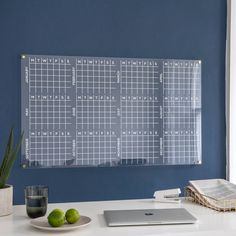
<point x="89" y="111"/>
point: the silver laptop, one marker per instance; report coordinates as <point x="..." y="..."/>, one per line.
<point x="148" y="217"/>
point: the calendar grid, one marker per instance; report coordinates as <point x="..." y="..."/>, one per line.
<point x="43" y="117"/>
<point x="179" y="113"/>
<point x="88" y="111"/>
<point x="139" y="110"/>
<point x="95" y="112"/>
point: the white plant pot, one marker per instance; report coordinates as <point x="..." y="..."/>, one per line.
<point x="6" y="200"/>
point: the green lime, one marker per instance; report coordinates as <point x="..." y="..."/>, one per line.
<point x="56" y="218"/>
<point x="72" y="216"/>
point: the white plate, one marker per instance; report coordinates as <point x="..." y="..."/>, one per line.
<point x="42" y="223"/>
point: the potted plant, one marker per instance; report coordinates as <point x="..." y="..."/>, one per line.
<point x="6" y="190"/>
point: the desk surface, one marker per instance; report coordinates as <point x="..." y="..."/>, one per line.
<point x="209" y="222"/>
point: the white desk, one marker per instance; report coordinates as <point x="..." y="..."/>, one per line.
<point x="210" y="222"/>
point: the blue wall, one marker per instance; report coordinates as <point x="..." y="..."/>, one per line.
<point x="188" y="29"/>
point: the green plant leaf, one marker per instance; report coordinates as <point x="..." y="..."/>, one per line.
<point x="9" y="158"/>
<point x="7" y="150"/>
<point x="12" y="156"/>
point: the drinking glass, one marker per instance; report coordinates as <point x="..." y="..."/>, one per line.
<point x="36" y="200"/>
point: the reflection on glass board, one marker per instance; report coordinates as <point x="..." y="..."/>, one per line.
<point x="83" y="111"/>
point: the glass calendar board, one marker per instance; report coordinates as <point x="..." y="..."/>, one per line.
<point x="89" y="111"/>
